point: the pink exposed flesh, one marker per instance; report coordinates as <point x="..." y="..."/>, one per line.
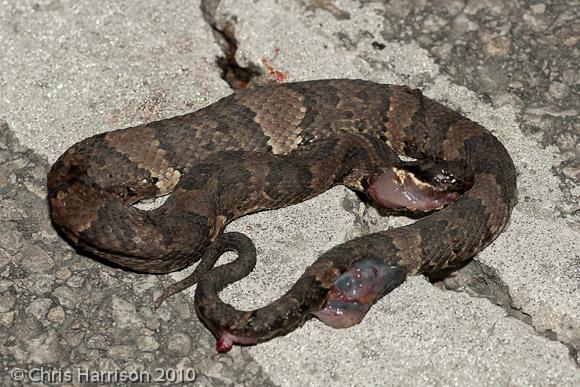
<point x="353" y="294"/>
<point x="226" y="341"/>
<point x="390" y="192"/>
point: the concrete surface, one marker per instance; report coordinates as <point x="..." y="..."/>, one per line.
<point x="71" y="69"/>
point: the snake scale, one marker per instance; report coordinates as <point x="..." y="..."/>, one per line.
<point x="270" y="147"/>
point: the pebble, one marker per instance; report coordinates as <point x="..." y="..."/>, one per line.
<point x="147" y="343"/>
<point x="558" y="90"/>
<point x="179" y="344"/>
<point x="539" y="8"/>
<point x="125" y="314"/>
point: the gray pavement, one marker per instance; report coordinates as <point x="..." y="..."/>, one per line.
<point x="512" y="317"/>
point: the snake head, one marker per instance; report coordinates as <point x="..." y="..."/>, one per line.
<point x="356" y="290"/>
<point x="420" y="186"/>
<point x="441" y="175"/>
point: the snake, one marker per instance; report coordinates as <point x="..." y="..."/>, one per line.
<point x="273" y="146"/>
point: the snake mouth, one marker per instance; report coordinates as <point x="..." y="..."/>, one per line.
<point x="400" y="189"/>
<point x="355" y="291"/>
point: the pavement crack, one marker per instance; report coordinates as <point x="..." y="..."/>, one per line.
<point x="482" y="281"/>
<point x="237" y="76"/>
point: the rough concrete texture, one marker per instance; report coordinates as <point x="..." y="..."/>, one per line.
<point x="70" y="69"/>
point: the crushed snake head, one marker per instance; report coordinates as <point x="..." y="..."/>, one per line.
<point x="354" y="292"/>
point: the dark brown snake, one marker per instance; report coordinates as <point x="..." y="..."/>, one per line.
<point x="271" y="147"/>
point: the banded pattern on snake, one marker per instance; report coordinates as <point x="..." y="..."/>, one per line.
<point x="274" y="146"/>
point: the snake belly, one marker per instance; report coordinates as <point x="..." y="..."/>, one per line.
<point x="92" y="185"/>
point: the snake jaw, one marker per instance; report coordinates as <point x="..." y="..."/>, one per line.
<point x="400" y="189"/>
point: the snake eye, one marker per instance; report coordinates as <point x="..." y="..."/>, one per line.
<point x="445" y="177"/>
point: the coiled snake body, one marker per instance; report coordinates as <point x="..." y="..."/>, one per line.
<point x="270" y="147"/>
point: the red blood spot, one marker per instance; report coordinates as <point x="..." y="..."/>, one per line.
<point x="224" y="344"/>
<point x="279" y="76"/>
